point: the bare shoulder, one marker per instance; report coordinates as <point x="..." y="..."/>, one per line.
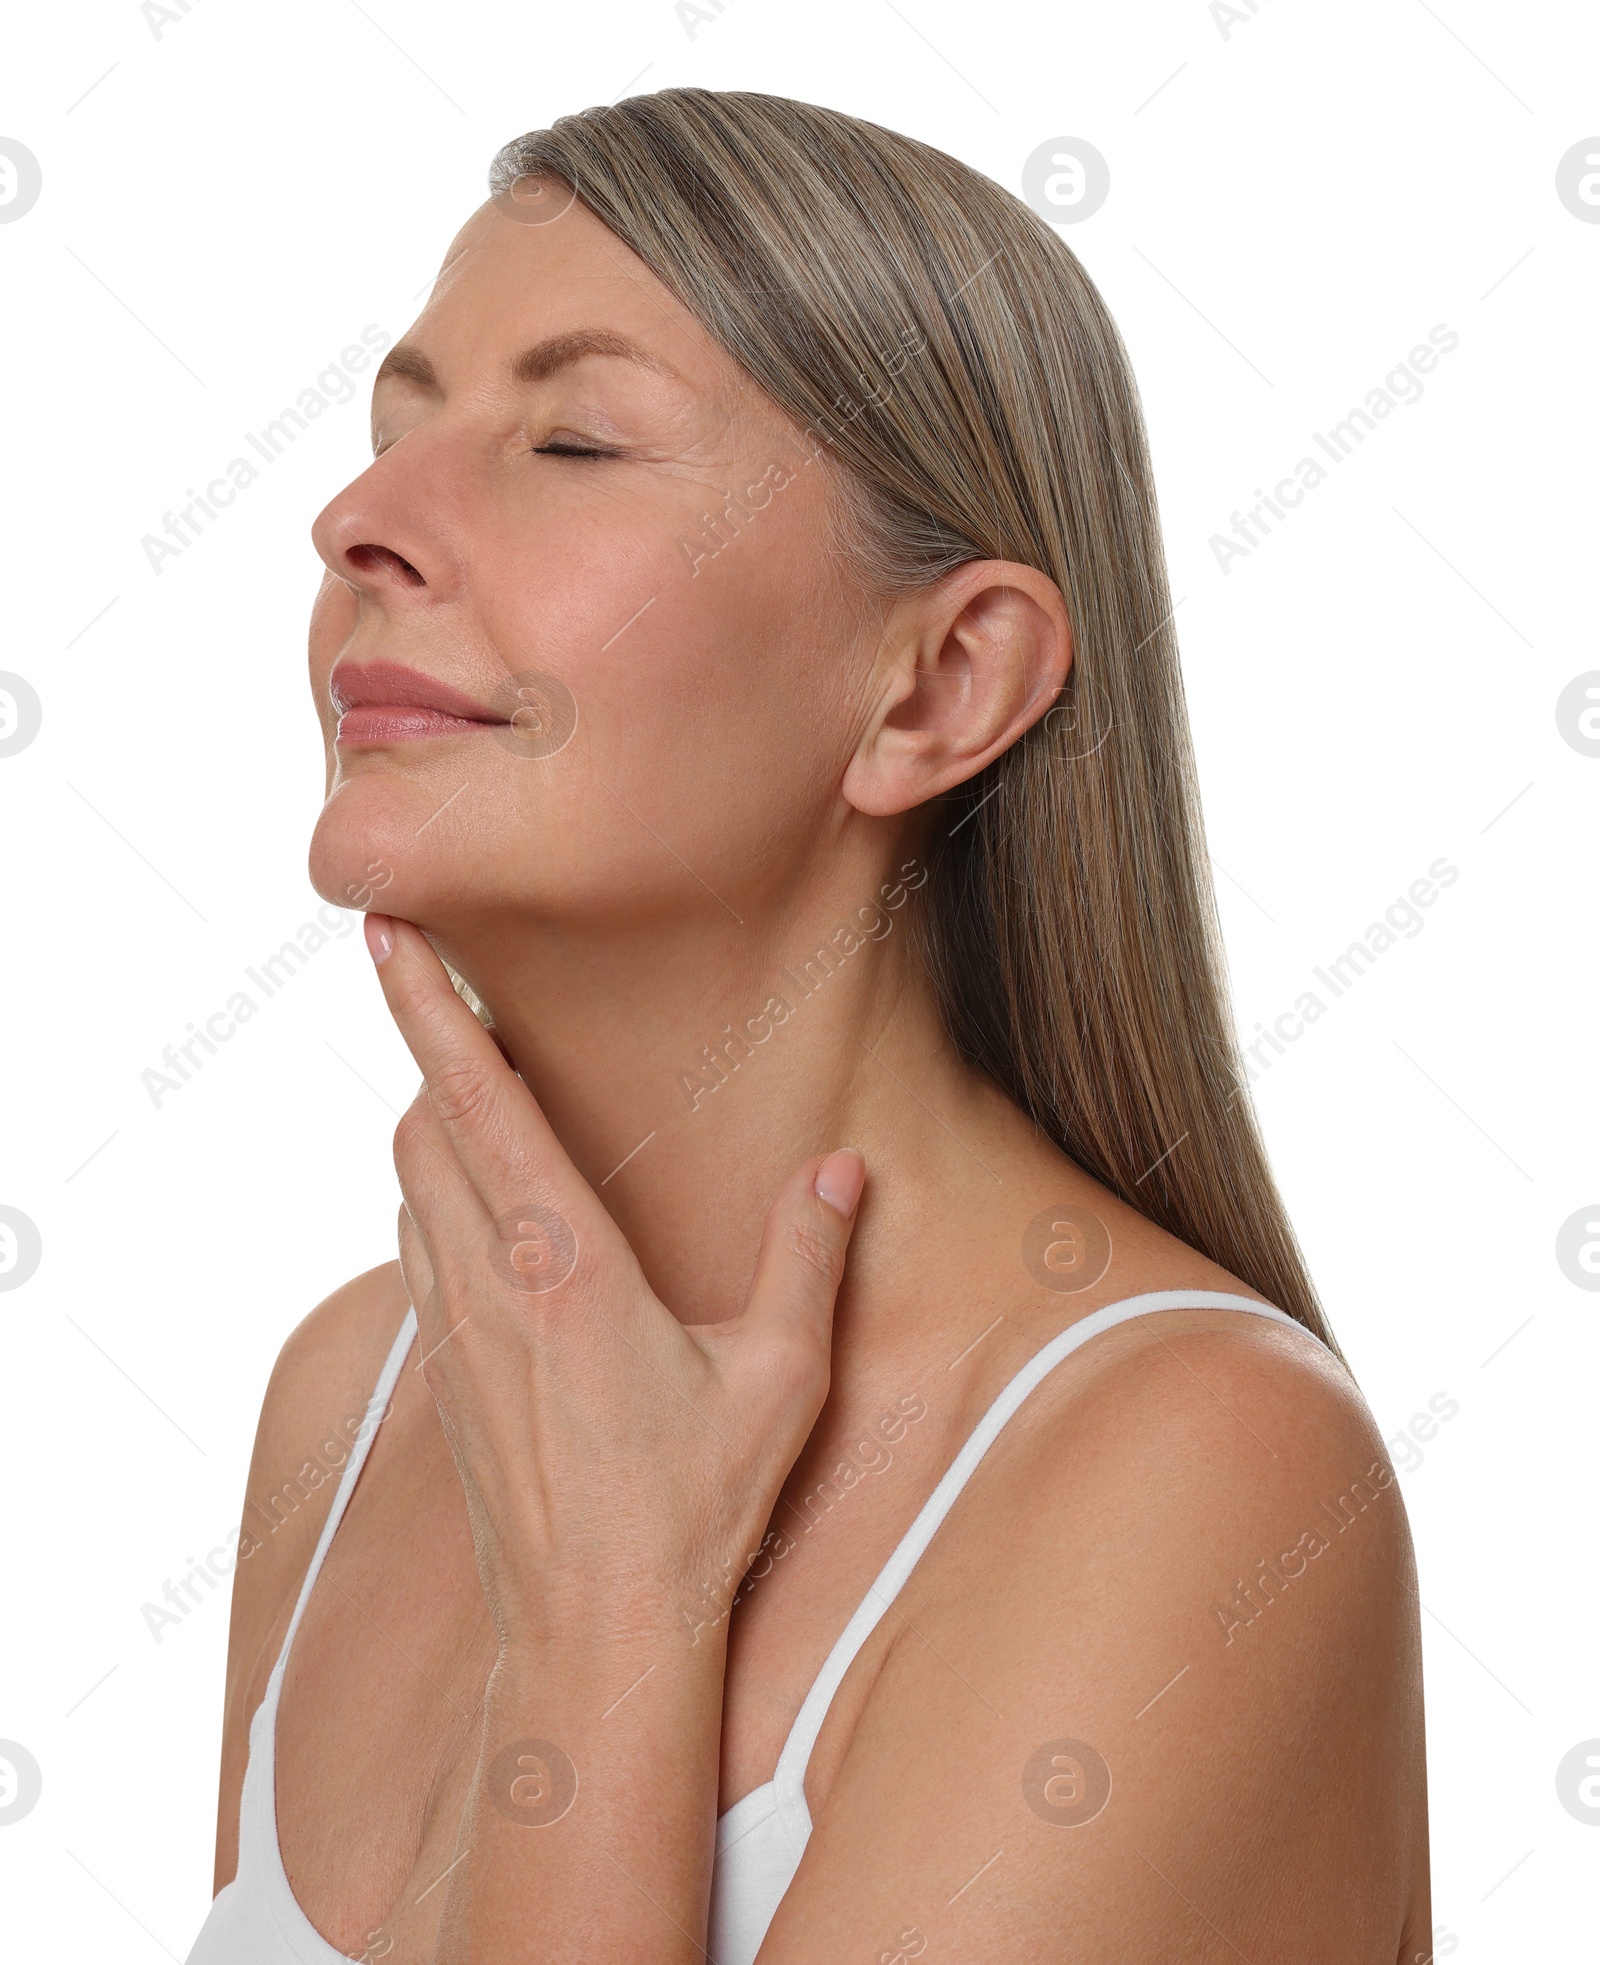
<point x="315" y="1400"/>
<point x="1174" y="1614"/>
<point x="1220" y="1477"/>
<point x="1234" y="1397"/>
<point x="329" y="1362"/>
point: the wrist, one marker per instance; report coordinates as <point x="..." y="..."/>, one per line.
<point x="580" y="1724"/>
<point x="643" y="1669"/>
<point x="569" y="1624"/>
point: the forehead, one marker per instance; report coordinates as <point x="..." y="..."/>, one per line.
<point x="507" y="286"/>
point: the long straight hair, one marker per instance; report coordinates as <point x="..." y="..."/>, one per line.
<point x="967" y="383"/>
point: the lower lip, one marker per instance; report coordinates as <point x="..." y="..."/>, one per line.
<point x="400" y="723"/>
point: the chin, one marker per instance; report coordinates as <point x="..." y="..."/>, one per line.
<point x="366" y="853"/>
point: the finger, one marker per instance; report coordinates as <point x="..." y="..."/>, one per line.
<point x="499" y="1136"/>
<point x="533" y="1249"/>
<point x="499" y="1044"/>
<point x="433" y="1335"/>
<point x="433" y="1182"/>
<point x="427" y="1158"/>
<point x="416" y="1269"/>
<point x="434" y="1327"/>
<point x="802" y="1258"/>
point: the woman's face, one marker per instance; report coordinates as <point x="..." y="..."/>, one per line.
<point x="577" y="493"/>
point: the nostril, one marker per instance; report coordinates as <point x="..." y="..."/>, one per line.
<point x="376" y="559"/>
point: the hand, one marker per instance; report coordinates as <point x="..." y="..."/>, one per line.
<point x="615" y="1460"/>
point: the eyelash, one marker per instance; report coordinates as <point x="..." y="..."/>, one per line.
<point x="539" y="450"/>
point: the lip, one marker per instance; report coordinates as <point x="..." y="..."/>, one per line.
<point x="385" y="703"/>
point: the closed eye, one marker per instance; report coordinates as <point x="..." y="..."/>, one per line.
<point x="570" y="450"/>
<point x="539" y="450"/>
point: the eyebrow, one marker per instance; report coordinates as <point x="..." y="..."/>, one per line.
<point x="406" y="362"/>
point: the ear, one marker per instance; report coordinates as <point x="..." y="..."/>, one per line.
<point x="972" y="661"/>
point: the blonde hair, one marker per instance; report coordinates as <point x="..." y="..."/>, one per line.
<point x="963" y="373"/>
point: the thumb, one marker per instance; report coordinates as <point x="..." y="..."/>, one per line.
<point x="803" y="1246"/>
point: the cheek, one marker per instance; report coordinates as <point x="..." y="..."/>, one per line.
<point x="715" y="711"/>
<point x="725" y="705"/>
<point x="333" y="609"/>
<point x="704" y="674"/>
<point x="333" y="618"/>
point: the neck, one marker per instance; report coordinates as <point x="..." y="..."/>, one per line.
<point x="688" y="1064"/>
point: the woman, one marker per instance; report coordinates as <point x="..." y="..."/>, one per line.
<point x="747" y="674"/>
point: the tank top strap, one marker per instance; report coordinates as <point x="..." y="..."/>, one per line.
<point x="789" y="1780"/>
<point x="377" y="1407"/>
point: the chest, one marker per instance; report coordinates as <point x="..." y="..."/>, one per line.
<point x="378" y="1721"/>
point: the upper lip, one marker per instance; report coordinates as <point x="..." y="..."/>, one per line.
<point x="358" y="685"/>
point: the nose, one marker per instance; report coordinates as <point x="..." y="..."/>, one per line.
<point x="381" y="539"/>
<point x="383" y="566"/>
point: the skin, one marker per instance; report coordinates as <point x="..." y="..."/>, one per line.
<point x="537" y="1545"/>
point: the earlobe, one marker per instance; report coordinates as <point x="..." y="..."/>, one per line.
<point x="972" y="662"/>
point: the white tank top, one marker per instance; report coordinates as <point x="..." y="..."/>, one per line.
<point x="256" y="1920"/>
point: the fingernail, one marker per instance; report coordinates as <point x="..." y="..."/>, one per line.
<point x="839" y="1180"/>
<point x="379" y="931"/>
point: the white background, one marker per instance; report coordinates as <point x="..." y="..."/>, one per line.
<point x="1294" y="203"/>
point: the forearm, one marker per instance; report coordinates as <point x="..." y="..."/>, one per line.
<point x="590" y="1823"/>
<point x="584" y="1416"/>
